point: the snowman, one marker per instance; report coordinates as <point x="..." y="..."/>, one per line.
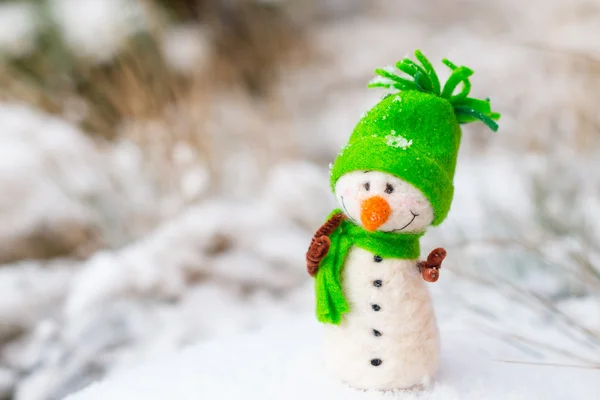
<point x="392" y="180"/>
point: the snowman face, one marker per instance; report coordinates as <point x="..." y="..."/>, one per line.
<point x="380" y="201"/>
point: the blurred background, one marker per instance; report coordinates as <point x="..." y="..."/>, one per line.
<point x="163" y="165"/>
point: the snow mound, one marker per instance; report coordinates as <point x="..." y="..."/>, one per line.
<point x="96" y="28"/>
<point x="285" y="362"/>
<point x="18" y="29"/>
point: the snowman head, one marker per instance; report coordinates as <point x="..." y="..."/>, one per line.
<point x="378" y="201"/>
<point x="400" y="160"/>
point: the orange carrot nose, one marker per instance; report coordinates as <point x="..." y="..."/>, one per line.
<point x="374" y="212"/>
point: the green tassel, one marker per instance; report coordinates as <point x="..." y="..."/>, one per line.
<point x="435" y="81"/>
<point x="459" y="75"/>
<point x="483" y="106"/>
<point x="466" y="115"/>
<point x="397" y="82"/>
<point x="421" y="76"/>
<point x="406" y="68"/>
<point x="425" y="79"/>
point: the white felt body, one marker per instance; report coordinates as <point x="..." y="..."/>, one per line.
<point x="408" y="346"/>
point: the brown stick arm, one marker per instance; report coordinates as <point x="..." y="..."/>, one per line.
<point x="320" y="243"/>
<point x="430" y="269"/>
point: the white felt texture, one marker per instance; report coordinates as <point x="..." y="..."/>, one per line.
<point x="408" y="344"/>
<point x="405" y="200"/>
<point x="286" y="362"/>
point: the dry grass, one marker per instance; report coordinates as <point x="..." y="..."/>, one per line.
<point x="250" y="44"/>
<point x="578" y="99"/>
<point x="572" y="330"/>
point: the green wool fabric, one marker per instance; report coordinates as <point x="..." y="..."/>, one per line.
<point x="415" y="133"/>
<point x="412" y="135"/>
<point x="331" y="302"/>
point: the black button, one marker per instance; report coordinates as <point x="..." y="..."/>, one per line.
<point x="376" y="332"/>
<point x="378" y="259"/>
<point x="376" y="362"/>
<point x="377" y="283"/>
<point x="375" y="307"/>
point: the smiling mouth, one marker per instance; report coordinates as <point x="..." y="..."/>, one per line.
<point x="406" y="226"/>
<point x="395" y="230"/>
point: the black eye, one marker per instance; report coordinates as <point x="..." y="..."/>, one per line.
<point x="389" y="188"/>
<point x="367" y="186"/>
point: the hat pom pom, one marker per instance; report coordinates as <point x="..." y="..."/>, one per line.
<point x="422" y="77"/>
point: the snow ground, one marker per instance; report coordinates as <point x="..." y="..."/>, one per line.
<point x="285" y="361"/>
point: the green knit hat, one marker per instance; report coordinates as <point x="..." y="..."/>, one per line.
<point x="414" y="133"/>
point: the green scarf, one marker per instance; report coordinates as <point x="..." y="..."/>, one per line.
<point x="331" y="302"/>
